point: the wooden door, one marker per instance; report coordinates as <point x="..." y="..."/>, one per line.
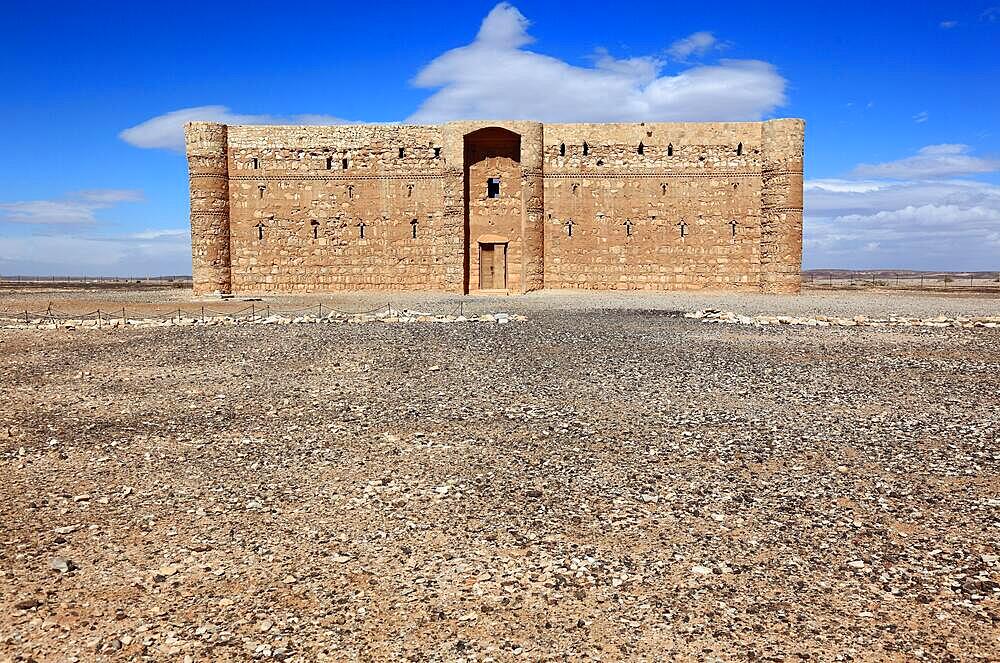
<point x="487" y="266"/>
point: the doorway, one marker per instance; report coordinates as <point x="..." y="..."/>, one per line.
<point x="492" y="266"/>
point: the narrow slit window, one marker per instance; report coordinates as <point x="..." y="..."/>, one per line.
<point x="576" y="188"/>
<point x="315" y="229"/>
<point x="569" y="228"/>
<point x="350" y="191"/>
<point x="343" y="163"/>
<point x="493" y="187"/>
<point x="670" y="150"/>
<point x="628" y="227"/>
<point x="586" y="148"/>
<point x="413" y="229"/>
<point x="562" y="149"/>
<point x="663" y="189"/>
<point x="732" y="226"/>
<point x="409" y="190"/>
<point x="641" y="149"/>
<point x="683" y="226"/>
<point x="260" y="191"/>
<point x="329" y="163"/>
<point x="361" y="230"/>
<point x="437" y="152"/>
<point x="402" y="152"/>
<point x="739" y="150"/>
<point x="255" y="163"/>
<point x="260" y="231"/>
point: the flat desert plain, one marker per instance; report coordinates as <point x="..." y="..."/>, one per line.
<point x="605" y="480"/>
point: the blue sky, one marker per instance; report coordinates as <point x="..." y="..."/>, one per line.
<point x="901" y="102"/>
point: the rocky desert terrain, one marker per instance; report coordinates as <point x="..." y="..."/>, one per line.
<point x="604" y="480"/>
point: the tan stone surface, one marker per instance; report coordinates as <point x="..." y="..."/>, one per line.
<point x="651" y="206"/>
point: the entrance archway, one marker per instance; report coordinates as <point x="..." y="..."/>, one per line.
<point x="493" y="207"/>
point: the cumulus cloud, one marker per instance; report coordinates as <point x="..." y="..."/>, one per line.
<point x="944" y="160"/>
<point x="495" y="76"/>
<point x="698" y="43"/>
<point x="79" y="208"/>
<point x="917" y="224"/>
<point x="147" y="252"/>
<point x="167" y="131"/>
<point x="948" y="25"/>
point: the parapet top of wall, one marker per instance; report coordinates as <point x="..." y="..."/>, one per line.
<point x="655" y="133"/>
<point x="336" y="136"/>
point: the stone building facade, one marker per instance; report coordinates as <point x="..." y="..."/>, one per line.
<point x="508" y="206"/>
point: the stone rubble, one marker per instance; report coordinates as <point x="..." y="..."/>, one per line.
<point x="389" y="316"/>
<point x="729" y="317"/>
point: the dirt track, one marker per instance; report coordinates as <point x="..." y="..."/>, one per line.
<point x="590" y="484"/>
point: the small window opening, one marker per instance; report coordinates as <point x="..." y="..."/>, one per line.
<point x="562" y="149"/>
<point x="739" y="150"/>
<point x="732" y="226"/>
<point x="409" y="190"/>
<point x="683" y="226"/>
<point x="575" y="188"/>
<point x="255" y="163"/>
<point x="586" y="148"/>
<point x="402" y="152"/>
<point x="260" y="190"/>
<point x="663" y="189"/>
<point x="343" y="163"/>
<point x="600" y="162"/>
<point x="350" y="191"/>
<point x="670" y="150"/>
<point x="361" y="230"/>
<point x="735" y="185"/>
<point x="569" y="228"/>
<point x="413" y="228"/>
<point x="493" y="187"/>
<point x="260" y="230"/>
<point x="641" y="149"/>
<point x="628" y="227"/>
<point x="315" y="229"/>
<point x="437" y="152"/>
<point x="329" y="163"/>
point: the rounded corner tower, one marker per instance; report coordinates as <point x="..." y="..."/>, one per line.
<point x="208" y="169"/>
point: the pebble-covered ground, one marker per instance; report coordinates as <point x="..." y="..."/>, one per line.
<point x="605" y="480"/>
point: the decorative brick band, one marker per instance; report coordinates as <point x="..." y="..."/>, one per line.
<point x="781" y="209"/>
<point x="649" y="175"/>
<point x="334" y="178"/>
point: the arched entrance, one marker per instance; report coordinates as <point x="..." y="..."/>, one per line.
<point x="494" y="209"/>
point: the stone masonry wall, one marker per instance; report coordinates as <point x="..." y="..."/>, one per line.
<point x="600" y="206"/>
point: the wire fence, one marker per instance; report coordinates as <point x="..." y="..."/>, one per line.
<point x="985" y="281"/>
<point x="76" y="280"/>
<point x="253" y="312"/>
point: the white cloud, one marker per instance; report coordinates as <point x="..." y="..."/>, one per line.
<point x="919" y="224"/>
<point x="495" y="77"/>
<point x="153" y="252"/>
<point x="80" y="208"/>
<point x="698" y="43"/>
<point x="167" y="131"/>
<point x="948" y="25"/>
<point x="944" y="160"/>
<point x="921" y="117"/>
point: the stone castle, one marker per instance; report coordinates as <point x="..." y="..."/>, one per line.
<point x="508" y="206"/>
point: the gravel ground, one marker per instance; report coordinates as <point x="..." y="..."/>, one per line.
<point x="603" y="481"/>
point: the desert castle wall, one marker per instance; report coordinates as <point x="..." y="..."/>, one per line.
<point x="496" y="205"/>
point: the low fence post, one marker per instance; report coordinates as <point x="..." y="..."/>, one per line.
<point x="124" y="318"/>
<point x="99" y="320"/>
